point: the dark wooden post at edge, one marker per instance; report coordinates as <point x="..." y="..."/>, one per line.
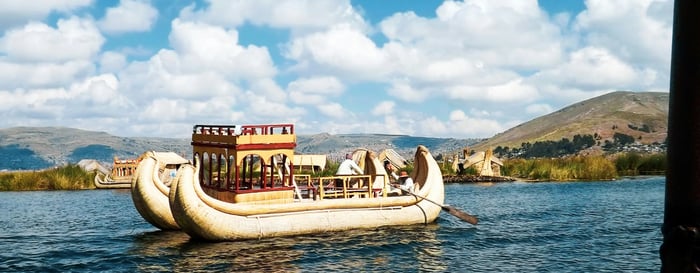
<point x="680" y="250"/>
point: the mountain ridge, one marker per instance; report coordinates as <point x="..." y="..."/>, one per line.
<point x="43" y="147"/>
<point x="641" y="115"/>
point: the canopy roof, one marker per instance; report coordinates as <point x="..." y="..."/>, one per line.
<point x="318" y="161"/>
<point x="394" y="158"/>
<point x="169" y="158"/>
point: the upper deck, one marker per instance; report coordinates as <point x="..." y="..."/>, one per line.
<point x="250" y="137"/>
<point x="124" y="168"/>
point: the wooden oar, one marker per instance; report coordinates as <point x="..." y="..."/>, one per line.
<point x="449" y="209"/>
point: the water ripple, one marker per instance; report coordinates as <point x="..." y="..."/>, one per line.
<point x="524" y="227"/>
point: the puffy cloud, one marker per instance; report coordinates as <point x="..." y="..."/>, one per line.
<point x="593" y="68"/>
<point x="111" y="61"/>
<point x="404" y="91"/>
<point x="269" y="89"/>
<point x="129" y="16"/>
<point x="40" y="56"/>
<point x="72" y="39"/>
<point x="341" y="49"/>
<point x="18" y="12"/>
<point x="512" y="91"/>
<point x="539" y="109"/>
<point x="510" y="33"/>
<point x="314" y="90"/>
<point x="475" y="68"/>
<point x="636" y="31"/>
<point x="206" y="62"/>
<point x="384" y="108"/>
<point x="461" y="124"/>
<point x="94" y="97"/>
<point x="335" y="111"/>
<point x="42" y="75"/>
<point x="207" y="47"/>
<point x="262" y="109"/>
<point x="298" y="15"/>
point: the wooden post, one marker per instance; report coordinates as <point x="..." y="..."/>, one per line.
<point x="680" y="250"/>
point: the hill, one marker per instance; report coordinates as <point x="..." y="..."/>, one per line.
<point x="29" y="148"/>
<point x="42" y="147"/>
<point x="640" y="115"/>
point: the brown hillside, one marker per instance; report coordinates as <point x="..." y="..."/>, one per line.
<point x="630" y="113"/>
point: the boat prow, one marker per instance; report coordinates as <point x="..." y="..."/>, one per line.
<point x="150" y="193"/>
<point x="104" y="181"/>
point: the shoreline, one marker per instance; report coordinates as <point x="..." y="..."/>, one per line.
<point x="472" y="179"/>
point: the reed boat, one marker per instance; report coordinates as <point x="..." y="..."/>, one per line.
<point x="151" y="187"/>
<point x="104" y="181"/>
<point x="120" y="177"/>
<point x="242" y="186"/>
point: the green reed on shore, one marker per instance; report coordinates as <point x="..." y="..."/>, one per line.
<point x="69" y="177"/>
<point x="571" y="168"/>
<point x="585" y="167"/>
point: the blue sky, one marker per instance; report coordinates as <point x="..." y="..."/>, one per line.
<point x="459" y="69"/>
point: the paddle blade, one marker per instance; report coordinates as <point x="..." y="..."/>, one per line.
<point x="460" y="214"/>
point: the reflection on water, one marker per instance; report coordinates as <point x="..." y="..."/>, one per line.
<point x="389" y="249"/>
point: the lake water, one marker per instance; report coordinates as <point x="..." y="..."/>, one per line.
<point x="524" y="227"/>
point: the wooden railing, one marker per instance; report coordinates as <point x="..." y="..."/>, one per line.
<point x="347" y="186"/>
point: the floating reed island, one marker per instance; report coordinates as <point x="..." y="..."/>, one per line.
<point x="467" y="178"/>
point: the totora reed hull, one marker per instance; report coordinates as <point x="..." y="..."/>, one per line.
<point x="204" y="217"/>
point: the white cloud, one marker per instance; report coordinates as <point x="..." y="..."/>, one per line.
<point x="510" y="33"/>
<point x="461" y="124"/>
<point x="335" y="111"/>
<point x="264" y="109"/>
<point x="94" y="97"/>
<point x="341" y="49"/>
<point x="72" y="39"/>
<point x="384" y="108"/>
<point x="539" y="109"/>
<point x="42" y="75"/>
<point x="314" y="90"/>
<point x="40" y="56"/>
<point x="514" y="91"/>
<point x="406" y="92"/>
<point x="207" y="47"/>
<point x="168" y="110"/>
<point x="206" y="71"/>
<point x="17" y="12"/>
<point x="299" y="15"/>
<point x="490" y="64"/>
<point x="111" y="61"/>
<point x="269" y="89"/>
<point x="636" y="31"/>
<point x="592" y="68"/>
<point x="129" y="16"/>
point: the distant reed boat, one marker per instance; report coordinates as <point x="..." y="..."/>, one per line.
<point x="120" y="178"/>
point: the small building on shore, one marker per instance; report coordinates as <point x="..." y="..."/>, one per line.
<point x="312" y="163"/>
<point x="484" y="163"/>
<point x="398" y="161"/>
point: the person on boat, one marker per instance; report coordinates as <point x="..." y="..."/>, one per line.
<point x="393" y="177"/>
<point x="405" y="184"/>
<point x="347" y="167"/>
